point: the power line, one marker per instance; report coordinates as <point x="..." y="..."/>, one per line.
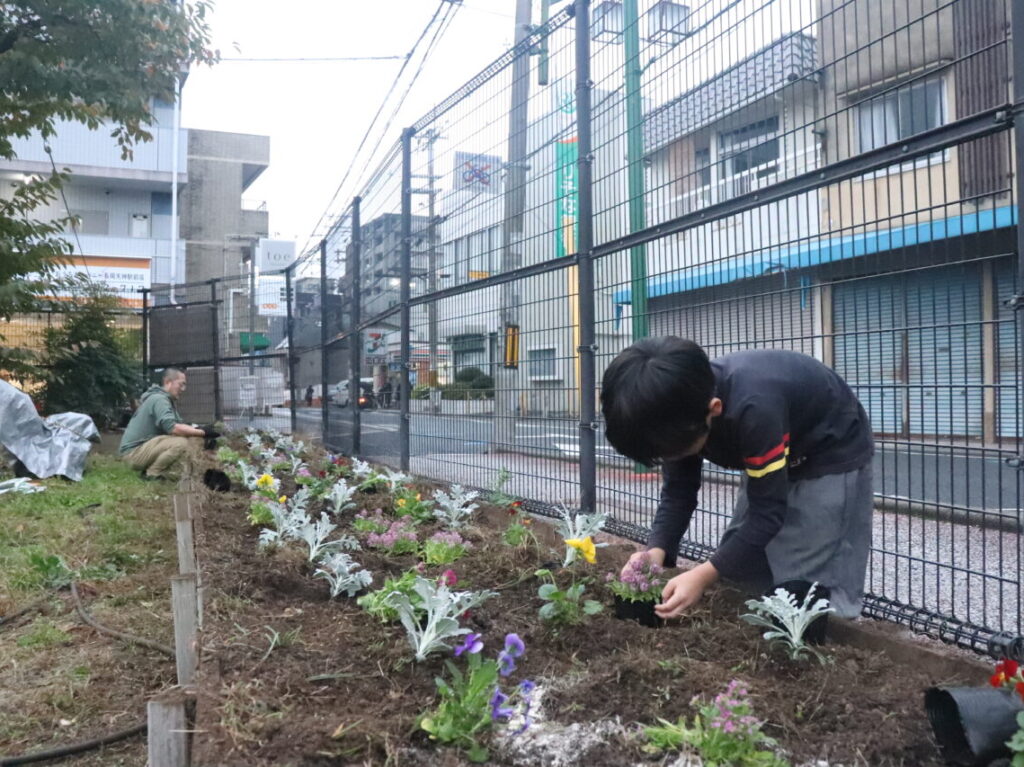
<point x="318" y="58"/>
<point x="380" y="109"/>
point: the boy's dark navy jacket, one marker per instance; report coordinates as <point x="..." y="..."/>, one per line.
<point x="785" y="417"/>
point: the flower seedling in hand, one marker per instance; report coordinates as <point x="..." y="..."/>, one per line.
<point x="725" y="733"/>
<point x="409" y="503"/>
<point x="787" y="620"/>
<point x="564" y="607"/>
<point x="642" y="581"/>
<point x="455" y="508"/>
<point x="444" y="548"/>
<point x="472" y="701"/>
<point x="435" y="621"/>
<point x="344" y="574"/>
<point x="400" y="538"/>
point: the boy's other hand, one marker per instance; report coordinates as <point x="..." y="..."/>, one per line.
<point x="657" y="556"/>
<point x="685" y="590"/>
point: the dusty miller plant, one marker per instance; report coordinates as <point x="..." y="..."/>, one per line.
<point x="315" y="535"/>
<point x="787" y="620"/>
<point x="394" y="479"/>
<point x="361" y="469"/>
<point x="435" y="619"/>
<point x="340" y="496"/>
<point x="455" y="508"/>
<point x="249" y="474"/>
<point x="577" y="527"/>
<point x="343" y="574"/>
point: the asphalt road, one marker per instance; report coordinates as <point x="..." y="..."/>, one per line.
<point x="967" y="481"/>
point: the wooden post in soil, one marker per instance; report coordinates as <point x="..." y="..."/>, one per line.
<point x="167" y="737"/>
<point x="186" y="543"/>
<point x="185" y="606"/>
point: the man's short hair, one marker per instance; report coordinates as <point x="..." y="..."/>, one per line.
<point x="655" y="397"/>
<point x="171" y="374"/>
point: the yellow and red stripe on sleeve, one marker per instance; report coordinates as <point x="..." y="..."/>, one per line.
<point x="773" y="460"/>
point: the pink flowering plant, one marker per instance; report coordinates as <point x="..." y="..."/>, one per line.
<point x="371" y="522"/>
<point x="725" y="733"/>
<point x="642" y="581"/>
<point x="473" y="701"/>
<point x="443" y="548"/>
<point x="400" y="538"/>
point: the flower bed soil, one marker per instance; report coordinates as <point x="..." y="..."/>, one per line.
<point x="345" y="690"/>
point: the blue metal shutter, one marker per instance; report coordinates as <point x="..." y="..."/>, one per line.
<point x="944" y="351"/>
<point x="1008" y="370"/>
<point x="867" y="322"/>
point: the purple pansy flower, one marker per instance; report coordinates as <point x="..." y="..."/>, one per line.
<point x="498" y="709"/>
<point x="472" y="644"/>
<point x="514" y="645"/>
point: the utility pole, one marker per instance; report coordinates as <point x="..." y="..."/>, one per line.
<point x="512" y="228"/>
<point x="430" y="137"/>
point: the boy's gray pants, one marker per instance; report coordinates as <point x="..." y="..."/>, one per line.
<point x="825" y="537"/>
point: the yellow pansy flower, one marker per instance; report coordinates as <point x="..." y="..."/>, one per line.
<point x="265" y="481"/>
<point x="584" y="546"/>
<point x="401" y="501"/>
<point x="282" y="499"/>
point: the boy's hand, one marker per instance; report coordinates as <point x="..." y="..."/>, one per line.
<point x="685" y="590"/>
<point x="657" y="556"/>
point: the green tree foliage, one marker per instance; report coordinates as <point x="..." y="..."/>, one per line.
<point x="100" y="64"/>
<point x="89" y="368"/>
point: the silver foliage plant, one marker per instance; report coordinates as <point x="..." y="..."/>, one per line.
<point x="343" y="574"/>
<point x="575" y="526"/>
<point x="455" y="507"/>
<point x="395" y="479"/>
<point x="315" y="535"/>
<point x="361" y="469"/>
<point x="340" y="496"/>
<point x="787" y="620"/>
<point x="430" y="624"/>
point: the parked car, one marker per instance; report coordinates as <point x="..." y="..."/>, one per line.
<point x="339" y="393"/>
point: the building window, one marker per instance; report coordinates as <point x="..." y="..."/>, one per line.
<point x="93" y="222"/>
<point x="541" y="364"/>
<point x="900" y="113"/>
<point x="750" y="157"/>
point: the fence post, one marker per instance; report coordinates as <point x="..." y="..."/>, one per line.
<point x="290" y="330"/>
<point x="355" y="343"/>
<point x="215" y="338"/>
<point x="585" y="274"/>
<point x="406" y="276"/>
<point x="1017" y="302"/>
<point x="324" y="412"/>
<point x="145" y="338"/>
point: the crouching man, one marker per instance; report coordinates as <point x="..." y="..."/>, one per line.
<point x="803" y="511"/>
<point x="156" y="439"/>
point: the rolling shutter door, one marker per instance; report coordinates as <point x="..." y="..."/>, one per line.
<point x="1007" y="351"/>
<point x="868" y="322"/>
<point x="944" y="351"/>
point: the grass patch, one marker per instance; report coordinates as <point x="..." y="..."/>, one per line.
<point x="43" y="634"/>
<point x="109" y="524"/>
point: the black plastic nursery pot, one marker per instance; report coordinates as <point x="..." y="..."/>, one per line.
<point x="217" y="480"/>
<point x="641" y="612"/>
<point x="972" y="724"/>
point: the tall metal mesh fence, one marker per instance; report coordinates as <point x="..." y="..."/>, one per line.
<point x="832" y="177"/>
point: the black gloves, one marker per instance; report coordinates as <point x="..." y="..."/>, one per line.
<point x="210" y="435"/>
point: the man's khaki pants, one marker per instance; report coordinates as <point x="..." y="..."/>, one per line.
<point x="157" y="455"/>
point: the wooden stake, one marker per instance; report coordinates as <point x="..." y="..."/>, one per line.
<point x="184" y="604"/>
<point x="168" y="734"/>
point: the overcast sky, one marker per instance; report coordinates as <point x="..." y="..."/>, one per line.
<point x="316" y="112"/>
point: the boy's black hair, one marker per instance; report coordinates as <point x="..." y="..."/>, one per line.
<point x="655" y="397"/>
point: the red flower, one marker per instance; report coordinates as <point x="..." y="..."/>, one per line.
<point x="1006" y="670"/>
<point x="514" y="507"/>
<point x="997" y="679"/>
<point x="322" y="474"/>
<point x="467" y="615"/>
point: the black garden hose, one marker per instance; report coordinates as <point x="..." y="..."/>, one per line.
<point x="74" y="748"/>
<point x="116" y="634"/>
